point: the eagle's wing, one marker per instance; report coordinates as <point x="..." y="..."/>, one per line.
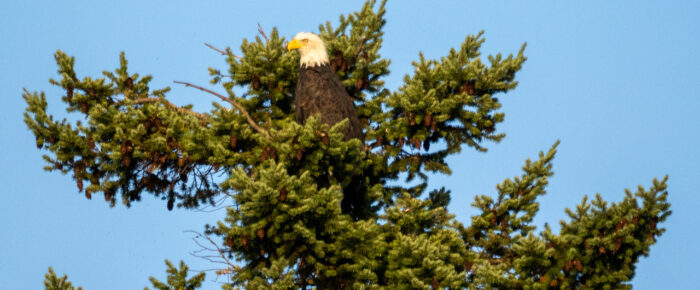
<point x="319" y="91"/>
<point x="343" y="107"/>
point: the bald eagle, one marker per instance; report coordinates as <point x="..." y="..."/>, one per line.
<point x="319" y="90"/>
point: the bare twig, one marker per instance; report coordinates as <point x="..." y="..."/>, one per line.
<point x="238" y="106"/>
<point x="221" y="51"/>
<point x="218" y="204"/>
<point x="221" y="255"/>
<point x="260" y="30"/>
<point x="172" y="106"/>
<point x="216" y="49"/>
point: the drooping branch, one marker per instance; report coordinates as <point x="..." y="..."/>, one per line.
<point x="238" y="106"/>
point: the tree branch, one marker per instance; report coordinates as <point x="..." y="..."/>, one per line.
<point x="238" y="106"/>
<point x="221" y="51"/>
<point x="216" y="49"/>
<point x="220" y="251"/>
<point x="260" y="30"/>
<point x="172" y="106"/>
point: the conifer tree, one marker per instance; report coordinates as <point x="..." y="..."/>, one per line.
<point x="52" y="282"/>
<point x="284" y="227"/>
<point x="177" y="278"/>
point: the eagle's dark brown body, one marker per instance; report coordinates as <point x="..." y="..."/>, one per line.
<point x="320" y="92"/>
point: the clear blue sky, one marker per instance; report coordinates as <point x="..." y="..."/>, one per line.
<point x="617" y="81"/>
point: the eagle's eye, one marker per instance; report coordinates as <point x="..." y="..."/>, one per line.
<point x="305" y="40"/>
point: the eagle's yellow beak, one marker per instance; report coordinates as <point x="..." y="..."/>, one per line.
<point x="294" y="44"/>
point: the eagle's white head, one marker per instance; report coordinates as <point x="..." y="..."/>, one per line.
<point x="310" y="47"/>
